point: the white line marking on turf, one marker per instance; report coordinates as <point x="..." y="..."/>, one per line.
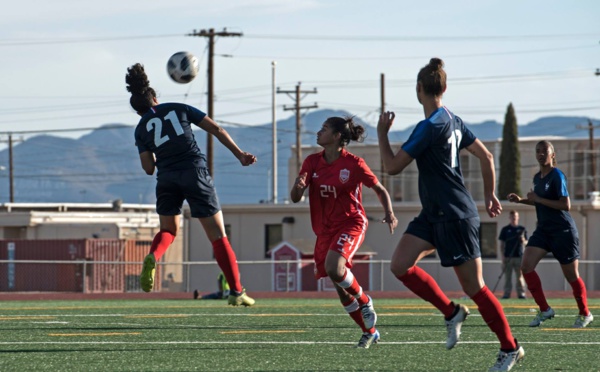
<point x="276" y="342"/>
<point x="19" y="317"/>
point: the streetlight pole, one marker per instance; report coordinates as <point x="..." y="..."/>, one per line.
<point x="274" y="121"/>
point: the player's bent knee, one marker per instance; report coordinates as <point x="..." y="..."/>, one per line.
<point x="398" y="270"/>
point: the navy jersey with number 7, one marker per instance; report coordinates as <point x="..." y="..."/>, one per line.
<point x="435" y="143"/>
<point x="166" y="130"/>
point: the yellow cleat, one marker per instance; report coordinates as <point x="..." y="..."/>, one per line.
<point x="148" y="271"/>
<point x="240" y="299"/>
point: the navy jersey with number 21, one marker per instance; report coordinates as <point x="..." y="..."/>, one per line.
<point x="435" y="143"/>
<point x="166" y="131"/>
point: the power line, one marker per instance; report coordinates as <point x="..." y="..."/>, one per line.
<point x="360" y="38"/>
<point x="399" y="58"/>
<point x="28" y="42"/>
<point x="370" y="38"/>
<point x="106" y="127"/>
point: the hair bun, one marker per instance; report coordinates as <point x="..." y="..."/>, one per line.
<point x="436" y="63"/>
<point x="137" y="80"/>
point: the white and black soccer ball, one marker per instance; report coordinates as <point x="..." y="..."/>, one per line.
<point x="182" y="67"/>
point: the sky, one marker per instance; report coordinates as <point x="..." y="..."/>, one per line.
<point x="63" y="62"/>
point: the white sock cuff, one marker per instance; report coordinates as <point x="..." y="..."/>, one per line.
<point x="348" y="279"/>
<point x="352" y="307"/>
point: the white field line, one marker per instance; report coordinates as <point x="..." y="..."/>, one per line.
<point x="7" y="317"/>
<point x="275" y="343"/>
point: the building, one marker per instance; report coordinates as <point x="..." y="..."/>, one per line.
<point x="254" y="230"/>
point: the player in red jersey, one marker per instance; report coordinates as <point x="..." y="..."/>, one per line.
<point x="334" y="178"/>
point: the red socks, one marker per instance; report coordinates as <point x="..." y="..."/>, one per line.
<point x="350" y="284"/>
<point x="225" y="257"/>
<point x="353" y="309"/>
<point x="580" y="294"/>
<point x="491" y="311"/>
<point x="535" y="287"/>
<point x="424" y="286"/>
<point x="161" y="242"/>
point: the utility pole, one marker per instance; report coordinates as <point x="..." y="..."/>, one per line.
<point x="297" y="107"/>
<point x="10" y="169"/>
<point x="590" y="127"/>
<point x="11" y="176"/>
<point x="382" y="93"/>
<point x="210" y="34"/>
<point x="274" y="130"/>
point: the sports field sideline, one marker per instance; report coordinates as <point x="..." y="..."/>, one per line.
<point x="278" y="334"/>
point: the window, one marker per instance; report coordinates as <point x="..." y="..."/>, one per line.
<point x="488" y="239"/>
<point x="273" y="236"/>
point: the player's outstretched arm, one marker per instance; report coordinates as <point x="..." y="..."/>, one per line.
<point x="210" y="126"/>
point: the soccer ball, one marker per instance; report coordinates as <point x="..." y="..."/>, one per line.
<point x="182" y="67"/>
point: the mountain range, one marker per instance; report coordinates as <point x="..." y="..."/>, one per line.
<point x="103" y="165"/>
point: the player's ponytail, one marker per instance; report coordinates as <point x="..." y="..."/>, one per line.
<point x="433" y="78"/>
<point x="142" y="94"/>
<point x="349" y="130"/>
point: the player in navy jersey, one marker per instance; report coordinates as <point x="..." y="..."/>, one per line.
<point x="556" y="232"/>
<point x="334" y="178"/>
<point x="449" y="220"/>
<point x="165" y="142"/>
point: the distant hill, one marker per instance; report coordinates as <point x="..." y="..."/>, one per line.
<point x="103" y="165"/>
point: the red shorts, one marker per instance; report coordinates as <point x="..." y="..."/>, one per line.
<point x="345" y="241"/>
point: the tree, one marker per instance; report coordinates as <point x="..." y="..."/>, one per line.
<point x="510" y="156"/>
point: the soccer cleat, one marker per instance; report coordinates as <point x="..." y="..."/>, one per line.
<point x="454" y="325"/>
<point x="368" y="314"/>
<point x="240" y="298"/>
<point x="506" y="361"/>
<point x="148" y="271"/>
<point x="368" y="339"/>
<point x="583" y="321"/>
<point x="196" y="294"/>
<point x="541" y="317"/>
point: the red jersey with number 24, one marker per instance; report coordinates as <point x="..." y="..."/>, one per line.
<point x="335" y="191"/>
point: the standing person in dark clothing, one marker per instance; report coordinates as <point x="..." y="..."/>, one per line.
<point x="555" y="232"/>
<point x="165" y="142"/>
<point x="512" y="238"/>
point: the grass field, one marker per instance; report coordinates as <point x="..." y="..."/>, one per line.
<point x="275" y="335"/>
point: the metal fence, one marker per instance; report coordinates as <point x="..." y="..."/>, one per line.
<point x="97" y="276"/>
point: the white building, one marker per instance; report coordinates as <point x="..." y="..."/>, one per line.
<point x="257" y="228"/>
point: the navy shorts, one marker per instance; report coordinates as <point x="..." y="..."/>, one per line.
<point x="563" y="243"/>
<point x="194" y="185"/>
<point x="456" y="241"/>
